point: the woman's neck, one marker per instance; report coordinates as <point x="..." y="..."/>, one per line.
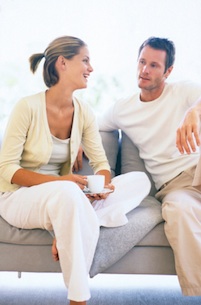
<point x="58" y="97"/>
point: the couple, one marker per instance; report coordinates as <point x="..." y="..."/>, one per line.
<point x="40" y="145"/>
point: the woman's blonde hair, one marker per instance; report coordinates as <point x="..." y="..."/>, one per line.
<point x="67" y="46"/>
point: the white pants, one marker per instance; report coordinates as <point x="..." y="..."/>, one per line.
<point x="62" y="207"/>
<point x="181" y="210"/>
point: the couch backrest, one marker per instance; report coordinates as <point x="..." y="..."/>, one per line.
<point x="123" y="155"/>
<point x="131" y="161"/>
<point x="111" y="145"/>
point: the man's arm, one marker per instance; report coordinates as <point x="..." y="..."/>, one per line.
<point x="188" y="133"/>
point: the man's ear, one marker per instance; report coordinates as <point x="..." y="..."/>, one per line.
<point x="169" y="70"/>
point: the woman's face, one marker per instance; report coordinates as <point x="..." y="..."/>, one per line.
<point x="78" y="69"/>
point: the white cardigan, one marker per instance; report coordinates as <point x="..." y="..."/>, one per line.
<point x="28" y="144"/>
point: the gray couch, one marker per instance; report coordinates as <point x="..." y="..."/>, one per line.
<point x="139" y="247"/>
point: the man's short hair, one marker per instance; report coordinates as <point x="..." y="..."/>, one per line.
<point x="161" y="44"/>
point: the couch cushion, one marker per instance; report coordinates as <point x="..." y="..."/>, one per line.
<point x="155" y="237"/>
<point x="131" y="161"/>
<point x="13" y="235"/>
<point x="114" y="243"/>
<point x="141" y="221"/>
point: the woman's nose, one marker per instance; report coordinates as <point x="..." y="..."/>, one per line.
<point x="90" y="68"/>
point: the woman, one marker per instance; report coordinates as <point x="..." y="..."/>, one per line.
<point x="38" y="188"/>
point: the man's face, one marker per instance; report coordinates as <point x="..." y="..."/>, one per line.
<point x="151" y="69"/>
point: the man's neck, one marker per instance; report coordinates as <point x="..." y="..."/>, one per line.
<point x="151" y="95"/>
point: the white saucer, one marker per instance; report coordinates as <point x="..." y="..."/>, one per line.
<point x="104" y="191"/>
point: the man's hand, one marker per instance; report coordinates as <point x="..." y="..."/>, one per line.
<point x="188" y="132"/>
<point x="78" y="162"/>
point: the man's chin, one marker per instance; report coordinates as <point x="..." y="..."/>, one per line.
<point x="141" y="83"/>
<point x="141" y="86"/>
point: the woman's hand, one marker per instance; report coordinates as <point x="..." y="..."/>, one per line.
<point x="100" y="196"/>
<point x="81" y="181"/>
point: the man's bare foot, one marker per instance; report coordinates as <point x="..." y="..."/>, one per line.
<point x="55" y="254"/>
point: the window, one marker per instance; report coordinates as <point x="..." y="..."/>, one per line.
<point x="113" y="30"/>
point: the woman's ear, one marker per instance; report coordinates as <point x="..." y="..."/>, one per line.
<point x="61" y="62"/>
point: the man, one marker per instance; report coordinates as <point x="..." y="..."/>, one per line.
<point x="151" y="118"/>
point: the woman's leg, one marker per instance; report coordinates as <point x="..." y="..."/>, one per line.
<point x="60" y="206"/>
<point x="130" y="190"/>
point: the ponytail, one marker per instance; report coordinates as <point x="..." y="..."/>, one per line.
<point x="34" y="61"/>
<point x="67" y="46"/>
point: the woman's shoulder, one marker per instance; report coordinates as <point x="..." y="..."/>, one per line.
<point x="83" y="106"/>
<point x="33" y="99"/>
<point x="32" y="102"/>
<point x="79" y="101"/>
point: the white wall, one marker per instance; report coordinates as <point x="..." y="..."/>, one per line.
<point x="113" y="30"/>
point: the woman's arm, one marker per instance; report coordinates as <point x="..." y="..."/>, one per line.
<point x="28" y="178"/>
<point x="107" y="175"/>
<point x="92" y="143"/>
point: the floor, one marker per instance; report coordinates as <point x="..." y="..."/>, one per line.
<point x="35" y="289"/>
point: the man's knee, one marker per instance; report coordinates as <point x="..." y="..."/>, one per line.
<point x="178" y="203"/>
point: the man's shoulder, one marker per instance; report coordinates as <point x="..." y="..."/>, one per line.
<point x="184" y="92"/>
<point x="127" y="100"/>
<point x="183" y="84"/>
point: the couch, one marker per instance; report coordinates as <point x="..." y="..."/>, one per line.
<point x="139" y="247"/>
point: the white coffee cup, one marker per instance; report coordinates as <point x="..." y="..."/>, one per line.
<point x="95" y="183"/>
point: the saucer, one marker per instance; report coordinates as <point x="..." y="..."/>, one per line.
<point x="104" y="191"/>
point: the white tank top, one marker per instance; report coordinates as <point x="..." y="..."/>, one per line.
<point x="60" y="154"/>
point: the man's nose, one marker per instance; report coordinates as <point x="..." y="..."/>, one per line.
<point x="145" y="69"/>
